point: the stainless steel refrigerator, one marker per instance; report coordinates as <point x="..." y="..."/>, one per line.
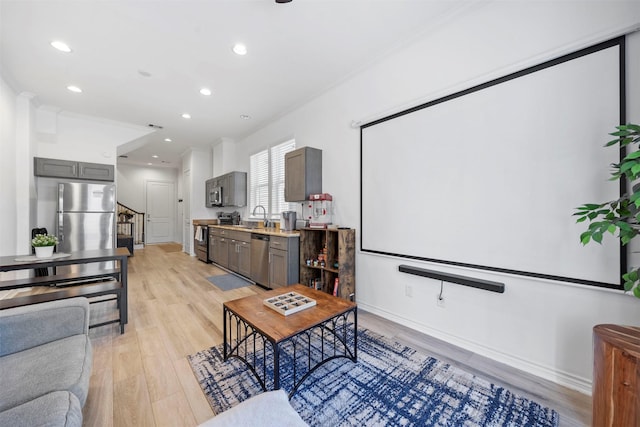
<point x="86" y="217"/>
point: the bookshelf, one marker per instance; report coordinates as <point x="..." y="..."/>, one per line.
<point x="338" y="257"/>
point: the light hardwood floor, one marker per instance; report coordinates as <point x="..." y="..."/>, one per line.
<point x="142" y="378"/>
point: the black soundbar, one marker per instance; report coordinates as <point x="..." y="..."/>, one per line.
<point x="487" y="285"/>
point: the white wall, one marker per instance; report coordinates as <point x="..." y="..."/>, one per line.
<point x="223" y="156"/>
<point x="198" y="164"/>
<point x="8" y="211"/>
<point x="542" y="327"/>
<point x="71" y="136"/>
<point x="25" y="143"/>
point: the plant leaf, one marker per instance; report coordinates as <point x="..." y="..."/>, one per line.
<point x="585" y="237"/>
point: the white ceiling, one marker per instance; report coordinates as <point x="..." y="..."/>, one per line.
<point x="295" y="52"/>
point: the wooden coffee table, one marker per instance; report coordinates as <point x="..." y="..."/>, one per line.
<point x="258" y="335"/>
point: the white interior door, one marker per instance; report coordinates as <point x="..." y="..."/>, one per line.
<point x="160" y="211"/>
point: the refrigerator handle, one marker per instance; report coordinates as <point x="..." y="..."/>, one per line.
<point x="60" y="228"/>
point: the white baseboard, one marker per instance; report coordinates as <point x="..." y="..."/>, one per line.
<point x="583" y="385"/>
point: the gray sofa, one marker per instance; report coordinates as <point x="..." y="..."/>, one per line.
<point x="45" y="363"/>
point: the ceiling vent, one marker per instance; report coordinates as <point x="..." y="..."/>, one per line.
<point x="151" y="125"/>
<point x="123" y="156"/>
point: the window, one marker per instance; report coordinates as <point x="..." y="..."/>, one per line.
<point x="266" y="174"/>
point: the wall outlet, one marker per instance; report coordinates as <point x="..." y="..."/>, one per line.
<point x="408" y="291"/>
<point x="440" y="301"/>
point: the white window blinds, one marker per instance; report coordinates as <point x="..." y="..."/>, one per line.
<point x="267" y="180"/>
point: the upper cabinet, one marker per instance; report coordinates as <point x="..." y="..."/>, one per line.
<point x="302" y="174"/>
<point x="234" y="189"/>
<point x="55" y="168"/>
<point x="226" y="190"/>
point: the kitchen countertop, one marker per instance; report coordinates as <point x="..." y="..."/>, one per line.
<point x="204" y="222"/>
<point x="268" y="231"/>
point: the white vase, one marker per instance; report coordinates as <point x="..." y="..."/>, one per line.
<point x="44" y="251"/>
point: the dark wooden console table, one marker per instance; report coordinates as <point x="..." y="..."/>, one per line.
<point x="116" y="287"/>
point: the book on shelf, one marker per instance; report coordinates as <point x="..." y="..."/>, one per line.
<point x="335" y="287"/>
<point x="316" y="283"/>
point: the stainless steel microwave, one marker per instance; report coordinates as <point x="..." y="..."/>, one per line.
<point x="215" y="196"/>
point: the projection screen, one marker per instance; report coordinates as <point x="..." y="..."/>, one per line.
<point x="489" y="177"/>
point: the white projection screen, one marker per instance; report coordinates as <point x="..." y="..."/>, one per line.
<point x="490" y="177"/>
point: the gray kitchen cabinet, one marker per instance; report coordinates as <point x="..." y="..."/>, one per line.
<point x="283" y="261"/>
<point x="233" y="255"/>
<point x="212" y="246"/>
<point x="302" y="174"/>
<point x="219" y="247"/>
<point x="96" y="171"/>
<point x="221" y="253"/>
<point x="277" y="268"/>
<point x="234" y="189"/>
<point x="239" y="252"/>
<point x="56" y="168"/>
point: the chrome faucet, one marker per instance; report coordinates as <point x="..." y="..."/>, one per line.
<point x="266" y="222"/>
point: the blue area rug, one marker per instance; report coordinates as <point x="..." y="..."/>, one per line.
<point x="227" y="282"/>
<point x="390" y="385"/>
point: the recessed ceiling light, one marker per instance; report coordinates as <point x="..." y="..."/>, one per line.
<point x="167" y="140"/>
<point x="155" y="156"/>
<point x="240" y="49"/>
<point x="61" y="46"/>
<point x="75" y="89"/>
<point x="205" y="91"/>
<point x="186" y="116"/>
<point x="245" y="117"/>
<point x="150" y="164"/>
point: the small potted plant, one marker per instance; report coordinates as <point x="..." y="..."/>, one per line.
<point x="43" y="244"/>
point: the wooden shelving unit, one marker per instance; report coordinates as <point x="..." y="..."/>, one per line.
<point x="340" y="250"/>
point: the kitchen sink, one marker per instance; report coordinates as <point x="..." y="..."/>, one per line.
<point x="252" y="224"/>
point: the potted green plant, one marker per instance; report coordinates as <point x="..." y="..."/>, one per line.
<point x="621" y="215"/>
<point x="43" y="244"/>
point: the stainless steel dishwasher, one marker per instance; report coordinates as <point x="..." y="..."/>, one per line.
<point x="260" y="259"/>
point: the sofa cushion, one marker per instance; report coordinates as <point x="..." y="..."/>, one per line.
<point x="57" y="409"/>
<point x="25" y="327"/>
<point x="56" y="366"/>
<point x="268" y="409"/>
